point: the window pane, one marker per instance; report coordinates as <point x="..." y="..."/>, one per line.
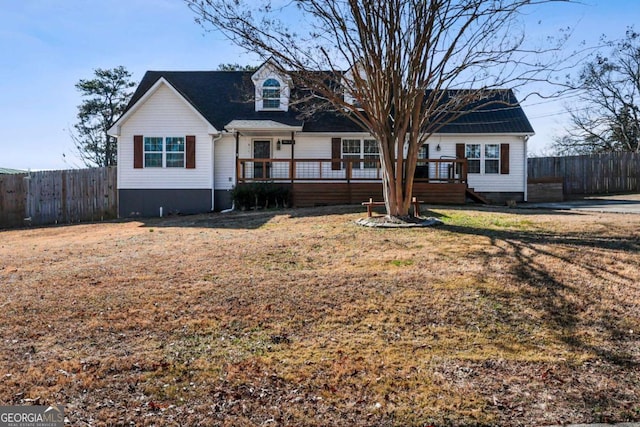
<point x="372" y="162"/>
<point x="371" y="146"/>
<point x="371" y="154"/>
<point x="472" y="151"/>
<point x="474" y="166"/>
<point x="271" y="103"/>
<point x="152" y="144"/>
<point x="271" y="83"/>
<point x="271" y="94"/>
<point x="175" y="144"/>
<point x="423" y="151"/>
<point x="491" y="166"/>
<point x="351" y="146"/>
<point x="175" y="160"/>
<point x="354" y="164"/>
<point x="492" y="151"/>
<point x="152" y="160"/>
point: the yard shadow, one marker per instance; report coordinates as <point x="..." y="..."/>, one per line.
<point x="246" y="220"/>
<point x="254" y="219"/>
<point x="561" y="302"/>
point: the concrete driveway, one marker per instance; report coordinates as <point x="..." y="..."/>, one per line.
<point x="627" y="203"/>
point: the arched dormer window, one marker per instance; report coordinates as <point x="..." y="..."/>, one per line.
<point x="272" y="87"/>
<point x="271" y="94"/>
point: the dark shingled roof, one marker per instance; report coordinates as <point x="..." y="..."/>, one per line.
<point x="223" y="96"/>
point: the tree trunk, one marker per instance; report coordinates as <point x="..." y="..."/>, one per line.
<point x="397" y="178"/>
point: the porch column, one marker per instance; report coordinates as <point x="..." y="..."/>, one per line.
<point x="237" y="135"/>
<point x="292" y="163"/>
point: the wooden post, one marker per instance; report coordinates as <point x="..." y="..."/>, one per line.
<point x="463" y="175"/>
<point x="348" y="172"/>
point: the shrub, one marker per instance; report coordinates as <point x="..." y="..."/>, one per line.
<point x="260" y="195"/>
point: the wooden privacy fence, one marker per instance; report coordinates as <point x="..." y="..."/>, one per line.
<point x="606" y="173"/>
<point x="58" y="197"/>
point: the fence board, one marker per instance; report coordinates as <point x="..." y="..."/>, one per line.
<point x="12" y="199"/>
<point x="58" y="197"/>
<point x="606" y="173"/>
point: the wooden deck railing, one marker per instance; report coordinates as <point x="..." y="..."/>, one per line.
<point x="446" y="171"/>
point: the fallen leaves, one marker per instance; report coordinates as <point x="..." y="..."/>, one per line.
<point x="304" y="318"/>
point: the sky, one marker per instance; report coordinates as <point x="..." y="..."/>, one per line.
<point x="47" y="46"/>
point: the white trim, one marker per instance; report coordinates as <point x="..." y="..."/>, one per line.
<point x="164" y="152"/>
<point x="435" y="135"/>
<point x="116" y="128"/>
<point x="483" y="158"/>
<point x="260" y="125"/>
<point x="270" y="69"/>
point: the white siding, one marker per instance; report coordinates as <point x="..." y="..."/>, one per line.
<point x="512" y="182"/>
<point x="224" y="162"/>
<point x="319" y="146"/>
<point x="311" y="146"/>
<point x="165" y="114"/>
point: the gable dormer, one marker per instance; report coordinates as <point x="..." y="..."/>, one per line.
<point x="272" y="87"/>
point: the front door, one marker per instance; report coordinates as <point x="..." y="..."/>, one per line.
<point x="422" y="168"/>
<point x="261" y="150"/>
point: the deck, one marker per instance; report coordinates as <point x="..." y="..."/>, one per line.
<point x="318" y="182"/>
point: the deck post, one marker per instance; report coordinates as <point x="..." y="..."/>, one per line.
<point x="464" y="171"/>
<point x="348" y="172"/>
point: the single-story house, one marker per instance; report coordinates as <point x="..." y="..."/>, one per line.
<point x="188" y="137"/>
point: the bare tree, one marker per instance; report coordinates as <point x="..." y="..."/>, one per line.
<point x="390" y="64"/>
<point x="105" y="99"/>
<point x="607" y="116"/>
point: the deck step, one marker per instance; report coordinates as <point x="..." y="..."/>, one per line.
<point x="470" y="192"/>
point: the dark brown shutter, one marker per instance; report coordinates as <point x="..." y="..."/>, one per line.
<point x="504" y="159"/>
<point x="460" y="151"/>
<point x="138" y="154"/>
<point x="191" y="152"/>
<point x="336" y="150"/>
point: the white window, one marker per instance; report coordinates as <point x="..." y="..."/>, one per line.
<point x="174" y="152"/>
<point x="361" y="149"/>
<point x="483" y="159"/>
<point x="153" y="152"/>
<point x="492" y="158"/>
<point x="162" y="152"/>
<point x="371" y="154"/>
<point x="423" y="151"/>
<point x="271" y="94"/>
<point x="352" y="149"/>
<point x="473" y="153"/>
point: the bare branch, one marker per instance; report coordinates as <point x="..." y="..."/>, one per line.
<point x="391" y="65"/>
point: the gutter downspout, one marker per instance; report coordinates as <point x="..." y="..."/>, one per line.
<point x="214" y="139"/>
<point x="235" y="170"/>
<point x="526" y="168"/>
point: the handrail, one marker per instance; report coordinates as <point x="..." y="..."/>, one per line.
<point x="344" y="169"/>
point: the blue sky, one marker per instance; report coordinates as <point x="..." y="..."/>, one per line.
<point x="48" y="45"/>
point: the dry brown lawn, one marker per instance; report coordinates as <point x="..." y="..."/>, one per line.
<point x="302" y="317"/>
